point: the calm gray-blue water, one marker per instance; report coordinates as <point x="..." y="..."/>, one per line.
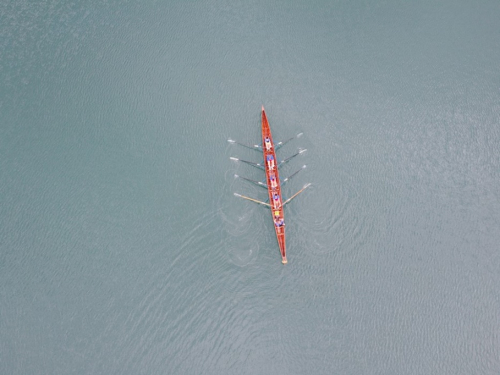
<point x="123" y="249"/>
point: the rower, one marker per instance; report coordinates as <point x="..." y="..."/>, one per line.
<point x="273" y="181"/>
<point x="279" y="223"/>
<point x="267" y="142"/>
<point x="270" y="161"/>
<point x="276" y="199"/>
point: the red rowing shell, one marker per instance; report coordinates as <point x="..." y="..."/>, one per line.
<point x="273" y="185"/>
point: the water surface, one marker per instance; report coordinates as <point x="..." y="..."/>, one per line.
<point x="124" y="251"/>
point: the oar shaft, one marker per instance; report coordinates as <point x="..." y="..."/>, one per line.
<point x="254" y="147"/>
<point x="261" y="184"/>
<point x="292" y="175"/>
<point x="297" y="193"/>
<point x="281" y="144"/>
<point x="251" y="199"/>
<point x="291" y="157"/>
<point x="247" y="162"/>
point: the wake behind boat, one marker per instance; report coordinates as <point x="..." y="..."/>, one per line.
<point x="273" y="182"/>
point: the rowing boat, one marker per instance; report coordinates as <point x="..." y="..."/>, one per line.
<point x="273" y="183"/>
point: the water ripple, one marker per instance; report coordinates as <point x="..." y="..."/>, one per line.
<point x="337" y="216"/>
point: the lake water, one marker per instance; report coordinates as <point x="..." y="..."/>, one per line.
<point x="124" y="251"/>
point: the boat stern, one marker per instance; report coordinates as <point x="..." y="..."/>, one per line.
<point x="282" y="245"/>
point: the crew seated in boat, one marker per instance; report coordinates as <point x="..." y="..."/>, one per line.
<point x="273" y="181"/>
<point x="276" y="215"/>
<point x="279" y="223"/>
<point x="267" y="142"/>
<point x="270" y="161"/>
<point x="276" y="199"/>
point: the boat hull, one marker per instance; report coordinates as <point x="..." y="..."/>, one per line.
<point x="273" y="184"/>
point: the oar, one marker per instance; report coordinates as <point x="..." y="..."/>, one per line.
<point x="297" y="193"/>
<point x="254" y="147"/>
<point x="281" y="144"/>
<point x="291" y="157"/>
<point x="251" y="199"/>
<point x="261" y="184"/>
<point x="292" y="175"/>
<point x="247" y="162"/>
